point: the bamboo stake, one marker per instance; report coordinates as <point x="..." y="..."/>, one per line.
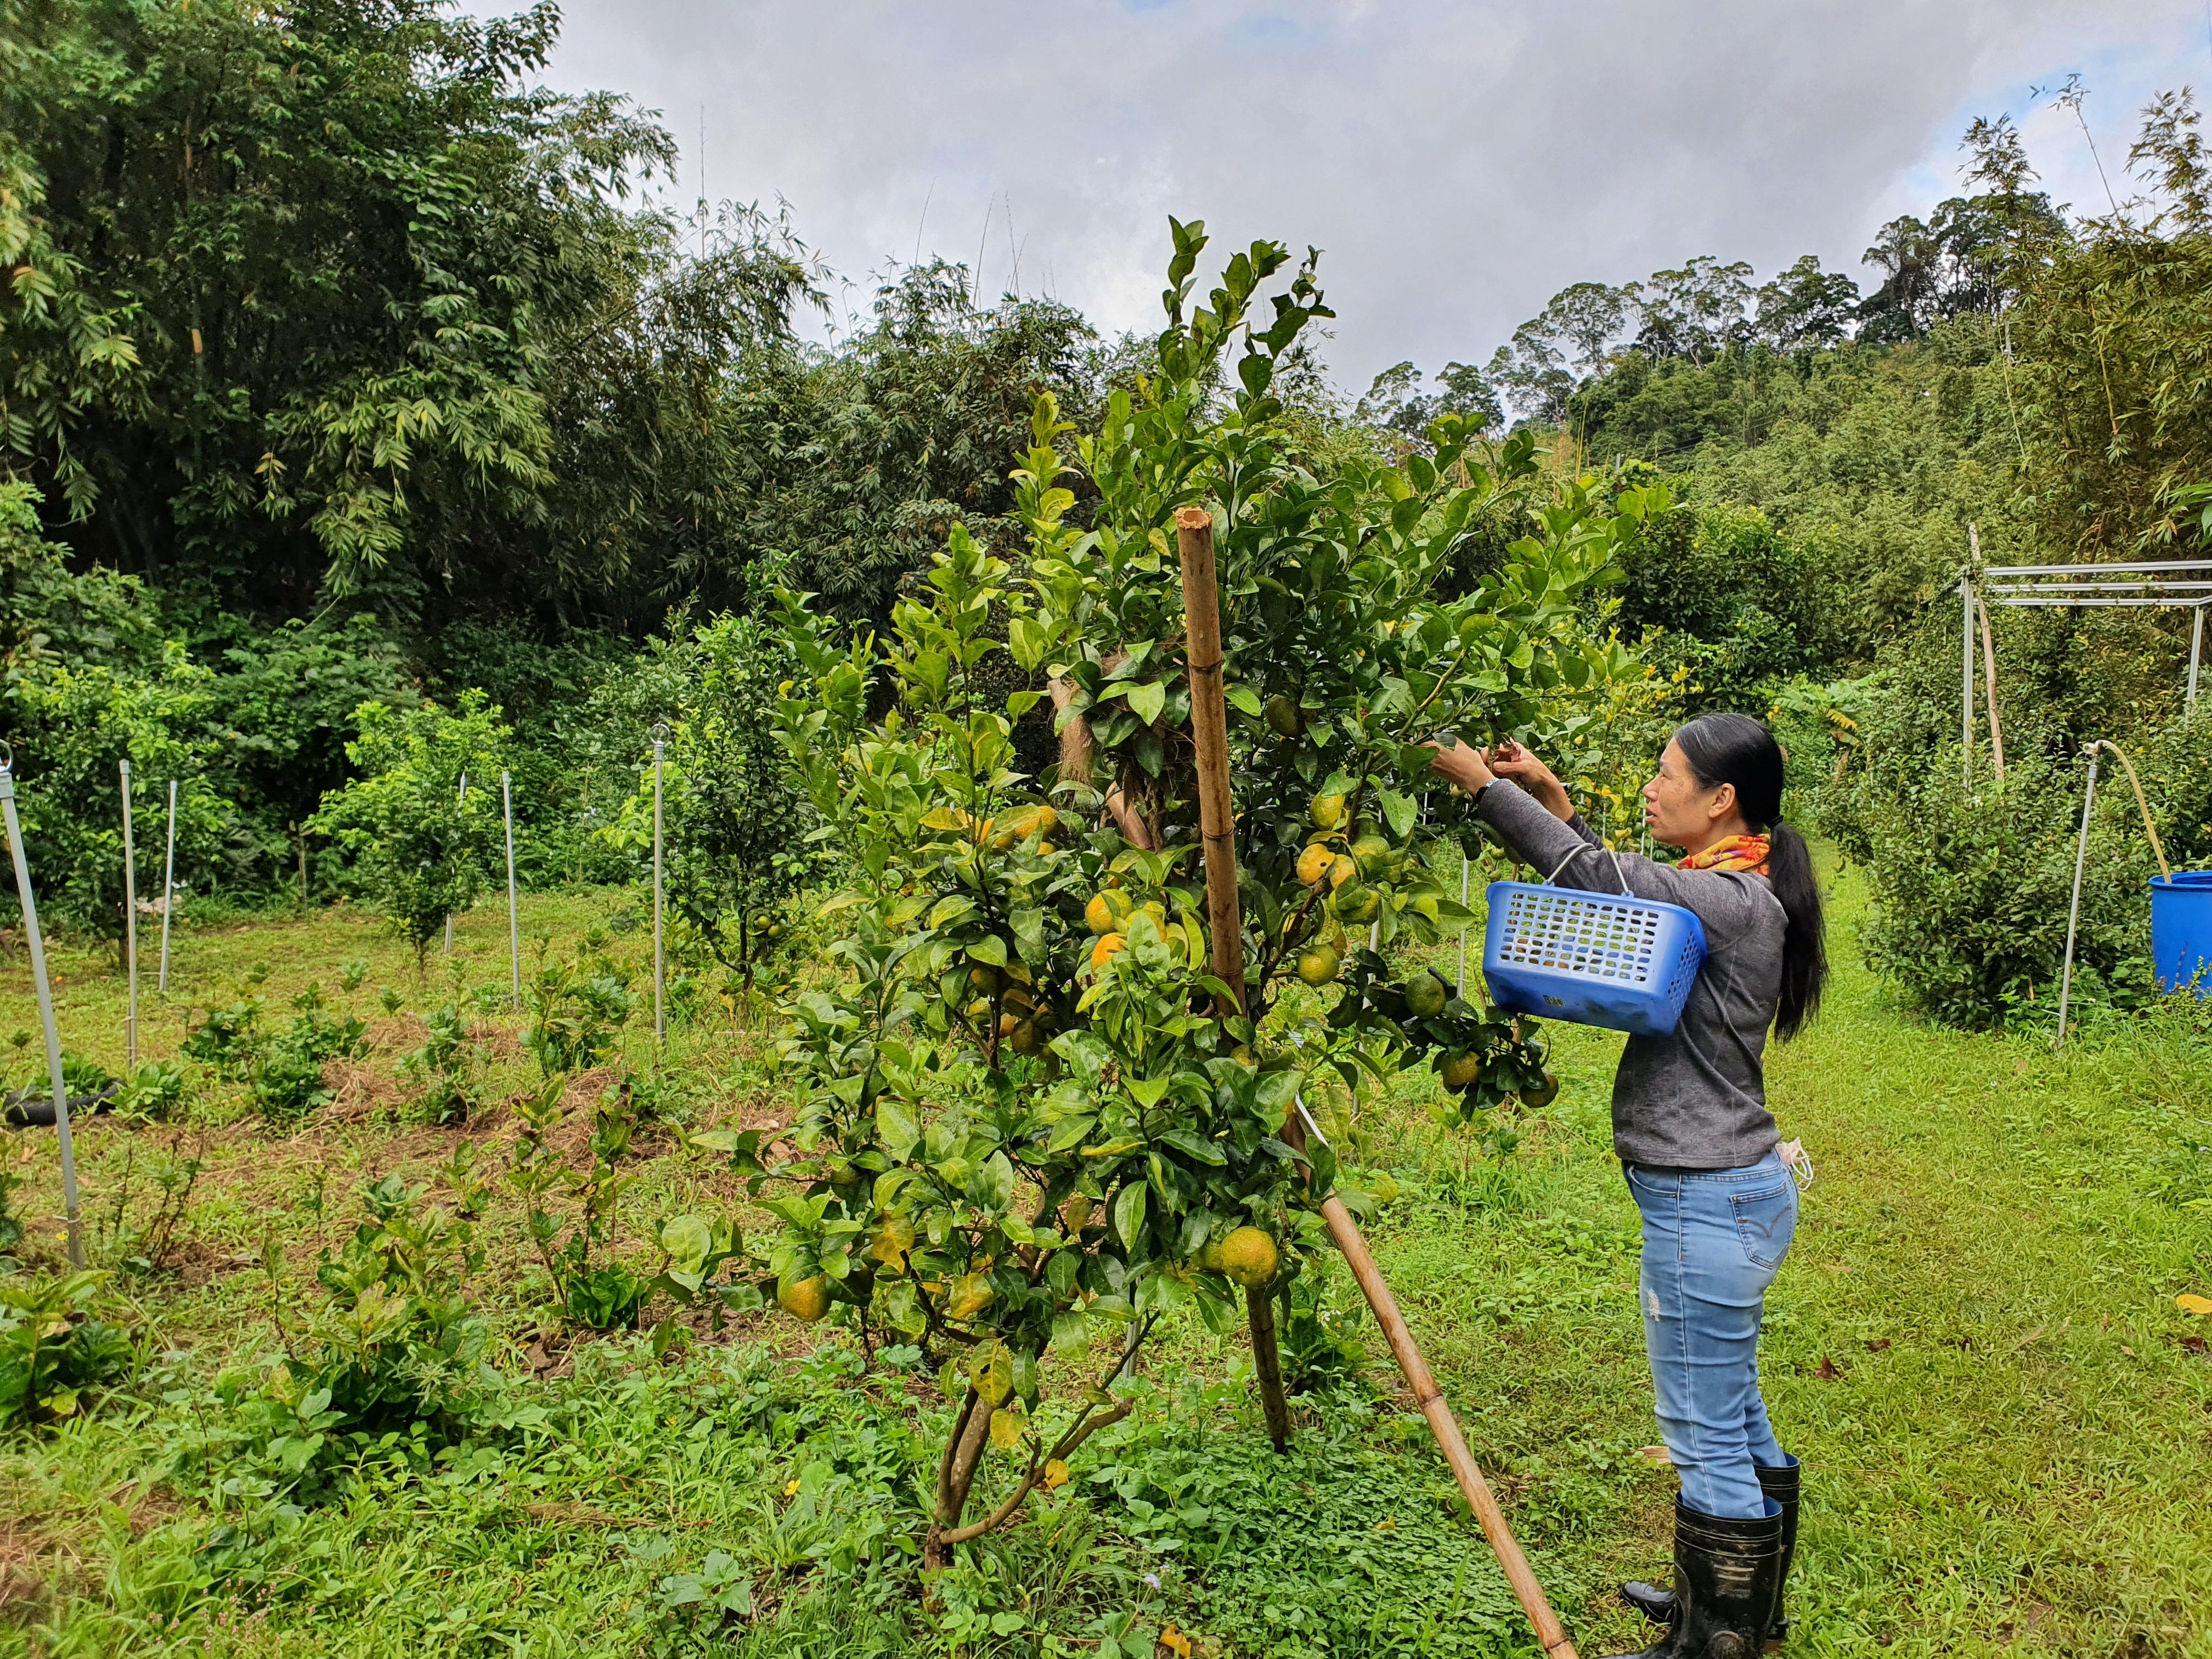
<point x="1224" y="921"/>
<point x="129" y="926"/>
<point x="1445" y="1426"/>
<point x="1210" y="732"/>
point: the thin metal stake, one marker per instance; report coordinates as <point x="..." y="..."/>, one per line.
<point x="2195" y="649"/>
<point x="45" y="1007"/>
<point x="2074" y="910"/>
<point x="1462" y="932"/>
<point x="660" y="1004"/>
<point x="168" y="887"/>
<point x="130" y="926"/>
<point x="462" y="800"/>
<point x="513" y="927"/>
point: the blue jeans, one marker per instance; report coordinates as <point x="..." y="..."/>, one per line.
<point x="1713" y="1240"/>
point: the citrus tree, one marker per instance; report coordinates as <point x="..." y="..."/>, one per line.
<point x="419" y="843"/>
<point x="736" y="830"/>
<point x="1034" y="1117"/>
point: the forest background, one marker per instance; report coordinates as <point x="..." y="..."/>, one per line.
<point x="354" y="418"/>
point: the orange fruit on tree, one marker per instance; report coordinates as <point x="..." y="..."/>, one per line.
<point x="805" y="1301"/>
<point x="1248" y="1257"/>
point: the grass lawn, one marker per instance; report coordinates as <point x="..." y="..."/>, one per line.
<point x="1975" y="1348"/>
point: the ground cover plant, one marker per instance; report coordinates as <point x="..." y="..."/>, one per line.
<point x="893" y="1302"/>
<point x="1975" y="1347"/>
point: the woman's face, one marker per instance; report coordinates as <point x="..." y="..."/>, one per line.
<point x="1679" y="811"/>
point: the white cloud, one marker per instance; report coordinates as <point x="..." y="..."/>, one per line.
<point x="1458" y="163"/>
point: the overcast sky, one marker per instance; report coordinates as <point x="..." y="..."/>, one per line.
<point x="1457" y="163"/>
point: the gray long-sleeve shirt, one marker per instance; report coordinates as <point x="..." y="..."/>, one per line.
<point x="1696" y="1099"/>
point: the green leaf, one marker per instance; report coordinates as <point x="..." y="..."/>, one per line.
<point x="1129" y="1213"/>
<point x="689" y="1240"/>
<point x="1193" y="1144"/>
<point x="992" y="1186"/>
<point x="1399" y="811"/>
<point x="990" y="948"/>
<point x="1245" y="699"/>
<point x="895" y="1128"/>
<point x="1146" y="701"/>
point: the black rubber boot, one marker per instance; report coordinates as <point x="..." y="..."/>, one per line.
<point x="1782" y="1486"/>
<point x="1728" y="1582"/>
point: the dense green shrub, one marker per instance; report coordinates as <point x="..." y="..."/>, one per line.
<point x="737" y="828"/>
<point x="1971" y="886"/>
<point x="419" y="845"/>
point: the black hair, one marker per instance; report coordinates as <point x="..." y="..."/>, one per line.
<point x="1738" y="750"/>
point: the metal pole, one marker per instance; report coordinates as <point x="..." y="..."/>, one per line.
<point x="514" y="926"/>
<point x="45" y="1009"/>
<point x="2195" y="649"/>
<point x="1463" y="862"/>
<point x="1966" y="688"/>
<point x="168" y="887"/>
<point x="462" y="800"/>
<point x="2074" y="910"/>
<point x="660" y="1004"/>
<point x="130" y="926"/>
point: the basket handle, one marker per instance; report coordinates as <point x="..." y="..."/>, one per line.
<point x="1619" y="874"/>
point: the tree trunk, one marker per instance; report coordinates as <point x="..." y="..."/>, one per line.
<point x="1267" y="1366"/>
<point x="955" y="1477"/>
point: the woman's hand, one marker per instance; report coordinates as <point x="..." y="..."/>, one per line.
<point x="1462" y="765"/>
<point x="1510" y="760"/>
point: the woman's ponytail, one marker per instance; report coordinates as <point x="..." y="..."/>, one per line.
<point x="1804" y="946"/>
<point x="1737" y="750"/>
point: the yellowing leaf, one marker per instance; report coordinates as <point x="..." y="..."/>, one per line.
<point x="1055" y="1474"/>
<point x="2194" y="1303"/>
<point x="1006" y="1425"/>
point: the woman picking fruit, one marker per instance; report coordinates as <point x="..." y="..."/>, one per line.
<point x="1696" y="1141"/>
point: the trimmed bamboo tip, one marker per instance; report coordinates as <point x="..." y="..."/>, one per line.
<point x="1193" y="518"/>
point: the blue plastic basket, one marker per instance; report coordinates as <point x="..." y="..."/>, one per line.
<point x="1621" y="963"/>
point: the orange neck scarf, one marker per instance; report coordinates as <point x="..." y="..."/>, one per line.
<point x="1731" y="853"/>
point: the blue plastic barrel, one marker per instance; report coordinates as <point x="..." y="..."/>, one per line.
<point x="2181" y="930"/>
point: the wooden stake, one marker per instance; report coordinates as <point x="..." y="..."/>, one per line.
<point x="1225" y="919"/>
<point x="1209" y="726"/>
<point x="1445" y="1427"/>
<point x="1209" y="730"/>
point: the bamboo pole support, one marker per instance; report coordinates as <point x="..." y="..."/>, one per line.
<point x="1434" y="1407"/>
<point x="1224" y="921"/>
<point x="1209" y="730"/>
<point x="1209" y="724"/>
